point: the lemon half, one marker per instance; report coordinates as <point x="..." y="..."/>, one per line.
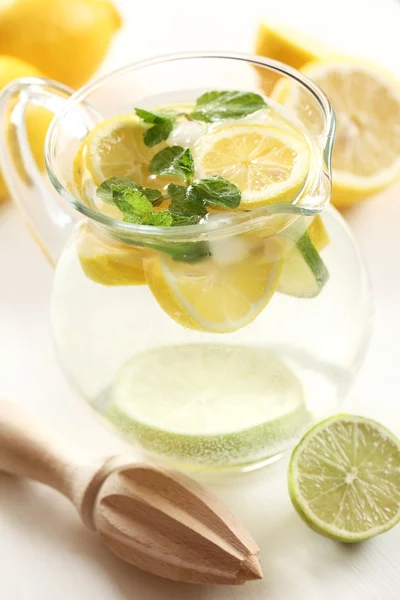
<point x="366" y="100"/>
<point x="287" y="45"/>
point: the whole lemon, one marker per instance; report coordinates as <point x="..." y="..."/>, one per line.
<point x="65" y="39"/>
<point x="38" y="119"/>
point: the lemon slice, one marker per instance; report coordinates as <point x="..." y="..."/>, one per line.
<point x="366" y="155"/>
<point x="267" y="164"/>
<point x="318" y="233"/>
<point x="344" y="478"/>
<point x="115" y="148"/>
<point x="213" y="295"/>
<point x="109" y="263"/>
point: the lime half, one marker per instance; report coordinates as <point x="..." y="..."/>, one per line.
<point x="208" y="404"/>
<point x="344" y="478"/>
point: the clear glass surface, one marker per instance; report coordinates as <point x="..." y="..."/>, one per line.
<point x="321" y="341"/>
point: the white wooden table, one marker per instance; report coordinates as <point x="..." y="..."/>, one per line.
<point x="45" y="554"/>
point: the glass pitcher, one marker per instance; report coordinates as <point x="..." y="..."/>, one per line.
<point x="209" y="346"/>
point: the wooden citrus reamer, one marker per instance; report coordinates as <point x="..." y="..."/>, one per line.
<point x="159" y="520"/>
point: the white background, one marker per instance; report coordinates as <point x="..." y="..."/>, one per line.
<point x="44" y="551"/>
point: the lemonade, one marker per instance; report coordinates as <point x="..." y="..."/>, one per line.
<point x="202" y="285"/>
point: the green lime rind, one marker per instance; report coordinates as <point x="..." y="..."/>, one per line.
<point x="219" y="450"/>
<point x="304" y="273"/>
<point x="373" y="496"/>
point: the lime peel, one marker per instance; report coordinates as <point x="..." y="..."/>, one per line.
<point x="304" y="273"/>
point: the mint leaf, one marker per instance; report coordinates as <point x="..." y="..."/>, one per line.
<point x="177" y="194"/>
<point x="155" y="117"/>
<point x="181" y="219"/>
<point x="186" y="164"/>
<point x="132" y="202"/>
<point x="160" y="219"/>
<point x="189" y="252"/>
<point x="157" y="134"/>
<point x="215" y="191"/>
<point x="185" y="205"/>
<point x="131" y="218"/>
<point x="164" y="161"/>
<point x="138" y="203"/>
<point x="163" y="123"/>
<point x="115" y="186"/>
<point x="214" y="106"/>
<point x="175" y="161"/>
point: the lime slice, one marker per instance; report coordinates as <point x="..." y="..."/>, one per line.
<point x="344" y="478"/>
<point x="304" y="273"/>
<point x="210" y="405"/>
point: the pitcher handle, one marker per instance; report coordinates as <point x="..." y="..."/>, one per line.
<point x="47" y="216"/>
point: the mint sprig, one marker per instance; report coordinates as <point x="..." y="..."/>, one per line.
<point x="132" y="201"/>
<point x="188" y="204"/>
<point x="216" y="106"/>
<point x="211" y="106"/>
<point x="162" y="125"/>
<point x="175" y="161"/>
